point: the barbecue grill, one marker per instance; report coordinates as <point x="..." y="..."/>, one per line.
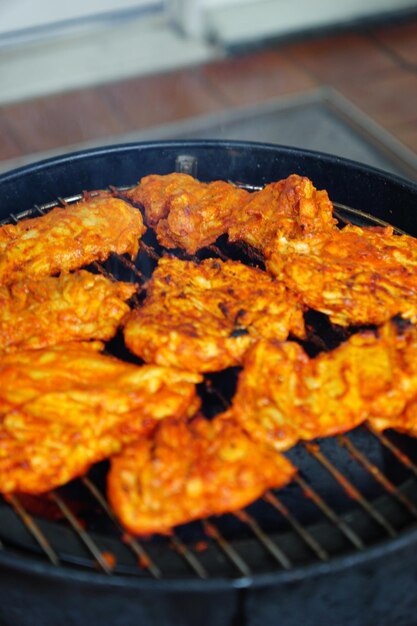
<point x="335" y="546"/>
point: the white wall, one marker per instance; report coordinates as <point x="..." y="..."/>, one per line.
<point x="17" y="15"/>
<point x="145" y="44"/>
<point x="229" y="21"/>
<point x="236" y="21"/>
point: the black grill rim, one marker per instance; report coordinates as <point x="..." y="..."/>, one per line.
<point x="372" y="556"/>
<point x="350" y="170"/>
<point x="358" y="172"/>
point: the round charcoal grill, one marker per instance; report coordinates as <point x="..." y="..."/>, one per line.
<point x="335" y="546"/>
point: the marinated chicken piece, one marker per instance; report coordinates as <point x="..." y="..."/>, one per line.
<point x="203" y="317"/>
<point x="355" y="276"/>
<point x="187" y="471"/>
<point x="284" y="396"/>
<point x="52" y="310"/>
<point x="64" y="408"/>
<point x="156" y="192"/>
<point x="186" y="213"/>
<point x="68" y="238"/>
<point x="291" y="207"/>
<point x="405" y="422"/>
<point x="400" y="413"/>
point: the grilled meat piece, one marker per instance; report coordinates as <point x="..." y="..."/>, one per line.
<point x="397" y="408"/>
<point x="156" y="192"/>
<point x="52" y="310"/>
<point x="203" y="317"/>
<point x="186" y="213"/>
<point x="190" y="215"/>
<point x="284" y="396"/>
<point x="404" y="422"/>
<point x="356" y="275"/>
<point x="291" y="207"/>
<point x="68" y="238"/>
<point x="64" y="408"/>
<point x="188" y="471"/>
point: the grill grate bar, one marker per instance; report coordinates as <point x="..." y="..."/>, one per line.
<point x="129" y="265"/>
<point x="377" y="474"/>
<point x="117" y="190"/>
<point x="39" y="209"/>
<point x="341" y="218"/>
<point x="307" y="537"/>
<point x="362" y="215"/>
<point x="350" y="489"/>
<point x="85" y="195"/>
<point x="110" y="276"/>
<point x="263" y="538"/>
<point x="64" y="202"/>
<point x="212" y="531"/>
<point x="14" y="218"/>
<point x="250" y="252"/>
<point x="399" y="455"/>
<point x="216" y="250"/>
<point x="134" y="545"/>
<point x="82" y="534"/>
<point x="273" y="500"/>
<point x="101" y="270"/>
<point x="210" y="388"/>
<point x="344" y="528"/>
<point x="33" y="529"/>
<point x="246" y="186"/>
<point x="151" y="252"/>
<point x="180" y="547"/>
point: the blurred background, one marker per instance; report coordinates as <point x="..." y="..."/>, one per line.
<point x="339" y="77"/>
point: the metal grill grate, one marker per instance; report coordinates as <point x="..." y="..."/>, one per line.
<point x="350" y="493"/>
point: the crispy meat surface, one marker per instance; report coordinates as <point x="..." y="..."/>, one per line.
<point x="399" y="412"/>
<point x="291" y="207"/>
<point x="64" y="408"/>
<point x="284" y="396"/>
<point x="156" y="192"/>
<point x="52" y="310"/>
<point x="68" y="238"/>
<point x="356" y="275"/>
<point x="203" y="317"/>
<point x="404" y="422"/>
<point x="186" y="213"/>
<point x="187" y="471"/>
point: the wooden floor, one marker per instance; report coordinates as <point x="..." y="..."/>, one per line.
<point x="376" y="69"/>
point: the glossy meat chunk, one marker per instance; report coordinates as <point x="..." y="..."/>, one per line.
<point x="186" y="213"/>
<point x="186" y="471"/>
<point x="291" y="207"/>
<point x="355" y="276"/>
<point x="69" y="307"/>
<point x="203" y="317"/>
<point x="64" y="408"/>
<point x="69" y="238"/>
<point x="284" y="396"/>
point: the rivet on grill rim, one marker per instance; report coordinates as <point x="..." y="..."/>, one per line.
<point x="186" y="164"/>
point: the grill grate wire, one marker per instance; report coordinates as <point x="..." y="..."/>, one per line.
<point x="134" y="545"/>
<point x="379" y="476"/>
<point x="229" y="548"/>
<point x="328" y="511"/>
<point x="34" y="529"/>
<point x="350" y="489"/>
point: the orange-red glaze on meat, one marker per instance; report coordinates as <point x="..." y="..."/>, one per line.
<point x="186" y="471"/>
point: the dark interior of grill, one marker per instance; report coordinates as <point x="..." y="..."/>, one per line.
<point x="351" y="492"/>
